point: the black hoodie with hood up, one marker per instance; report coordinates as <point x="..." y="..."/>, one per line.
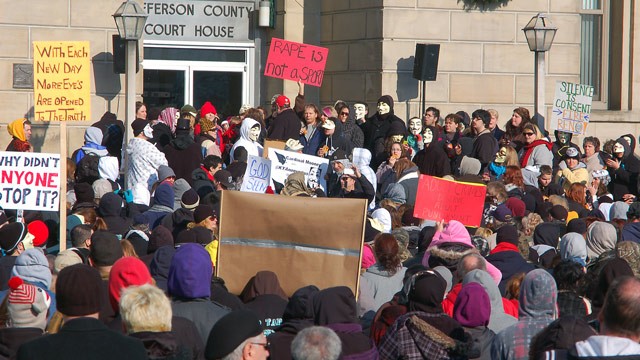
<point x="624" y="180"/>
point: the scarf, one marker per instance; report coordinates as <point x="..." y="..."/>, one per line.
<point x="504" y="246"/>
<point x="528" y="149"/>
<point x="497" y="170"/>
<point x="207" y="172"/>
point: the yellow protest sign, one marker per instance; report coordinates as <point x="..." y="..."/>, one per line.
<point x="61" y="80"/>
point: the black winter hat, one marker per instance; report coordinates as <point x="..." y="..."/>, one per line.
<point x="138" y="126"/>
<point x="11" y="235"/>
<point x="558" y="212"/>
<point x="387" y="99"/>
<point x="202" y="212"/>
<point x="84" y="192"/>
<point x="105" y="248"/>
<point x="507" y="233"/>
<point x="78" y="290"/>
<point x="231" y="331"/>
<point x="577" y="226"/>
<point x="190" y="199"/>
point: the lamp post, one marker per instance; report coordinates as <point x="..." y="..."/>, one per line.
<point x="130" y="19"/>
<point x="539" y="33"/>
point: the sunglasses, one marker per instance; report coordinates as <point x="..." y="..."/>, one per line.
<point x="344" y="113"/>
<point x="528" y="134"/>
<point x="265" y="345"/>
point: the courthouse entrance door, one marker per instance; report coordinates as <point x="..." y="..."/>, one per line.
<point x="178" y="76"/>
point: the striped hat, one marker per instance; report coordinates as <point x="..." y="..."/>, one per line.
<point x="27" y="304"/>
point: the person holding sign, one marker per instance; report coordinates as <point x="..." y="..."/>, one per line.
<point x="20" y="130"/>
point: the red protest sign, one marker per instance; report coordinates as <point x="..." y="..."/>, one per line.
<point x="292" y="61"/>
<point x="439" y="199"/>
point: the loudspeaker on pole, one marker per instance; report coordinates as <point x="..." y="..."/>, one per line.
<point x="425" y="66"/>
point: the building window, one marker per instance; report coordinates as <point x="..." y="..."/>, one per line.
<point x="591" y="43"/>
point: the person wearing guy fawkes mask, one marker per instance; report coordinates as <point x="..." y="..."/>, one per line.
<point x="432" y="160"/>
<point x="623" y="168"/>
<point x="144" y="157"/>
<point x="249" y="134"/>
<point x="360" y="112"/>
<point x="377" y="127"/>
<point x="562" y="143"/>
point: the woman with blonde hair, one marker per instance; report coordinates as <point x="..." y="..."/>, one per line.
<point x="535" y="153"/>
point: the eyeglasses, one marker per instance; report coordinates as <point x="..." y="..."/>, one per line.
<point x="344" y="114"/>
<point x="528" y="134"/>
<point x="264" y="345"/>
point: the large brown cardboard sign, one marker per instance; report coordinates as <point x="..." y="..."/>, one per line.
<point x="305" y="241"/>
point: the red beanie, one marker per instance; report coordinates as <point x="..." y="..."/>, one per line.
<point x="40" y="231"/>
<point x="207" y="108"/>
<point x="127" y="271"/>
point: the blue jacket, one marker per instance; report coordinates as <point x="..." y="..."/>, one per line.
<point x="312" y="145"/>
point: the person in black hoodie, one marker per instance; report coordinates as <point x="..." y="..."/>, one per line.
<point x="110" y="210"/>
<point x="485" y="145"/>
<point x="376" y="129"/>
<point x="264" y="297"/>
<point x="336" y="309"/>
<point x="298" y="315"/>
<point x="432" y="160"/>
<point x="183" y="154"/>
<point x="506" y="256"/>
<point x="112" y="133"/>
<point x="623" y="168"/>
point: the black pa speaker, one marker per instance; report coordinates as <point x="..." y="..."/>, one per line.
<point x="120" y="55"/>
<point x="425" y="65"/>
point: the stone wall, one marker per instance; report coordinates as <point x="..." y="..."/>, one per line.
<point x="23" y="22"/>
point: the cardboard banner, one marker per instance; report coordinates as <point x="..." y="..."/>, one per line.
<point x="283" y="163"/>
<point x="571" y="107"/>
<point x="296" y="61"/>
<point x="303" y="240"/>
<point x="61" y="80"/>
<point x="439" y="199"/>
<point x="257" y="176"/>
<point x="29" y="181"/>
<point x="276" y="144"/>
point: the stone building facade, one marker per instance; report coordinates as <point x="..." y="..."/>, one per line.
<point x="484" y="59"/>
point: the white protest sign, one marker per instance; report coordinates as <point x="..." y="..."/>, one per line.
<point x="283" y="163"/>
<point x="571" y="107"/>
<point x="29" y="181"/>
<point x="257" y="176"/>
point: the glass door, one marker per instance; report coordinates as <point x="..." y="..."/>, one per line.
<point x="176" y="82"/>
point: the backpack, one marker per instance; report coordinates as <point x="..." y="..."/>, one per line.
<point x="87" y="169"/>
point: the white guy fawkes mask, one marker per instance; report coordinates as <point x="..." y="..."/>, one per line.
<point x="415" y="126"/>
<point x="618" y="148"/>
<point x="360" y="111"/>
<point x="628" y="140"/>
<point x="254" y="133"/>
<point x="428" y="136"/>
<point x="383" y="108"/>
<point x="501" y="156"/>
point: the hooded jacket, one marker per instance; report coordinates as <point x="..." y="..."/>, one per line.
<point x="362" y="159"/>
<point x="558" y="148"/>
<point x="336" y="309"/>
<point x="112" y="133"/>
<point x="92" y="144"/>
<point x="189" y="284"/>
<point x="578" y="174"/>
<point x="537" y="309"/>
<point x="455" y="232"/>
<point x="433" y="160"/>
<point x="498" y="320"/>
<point x="162" y="206"/>
<point x="573" y="247"/>
<point x="376" y="129"/>
<point x="601" y="237"/>
<point x="183" y="155"/>
<point x="624" y="180"/>
<point x="110" y="209"/>
<point x="253" y="147"/>
<point x="298" y="315"/>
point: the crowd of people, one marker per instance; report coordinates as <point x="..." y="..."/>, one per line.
<point x="551" y="273"/>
